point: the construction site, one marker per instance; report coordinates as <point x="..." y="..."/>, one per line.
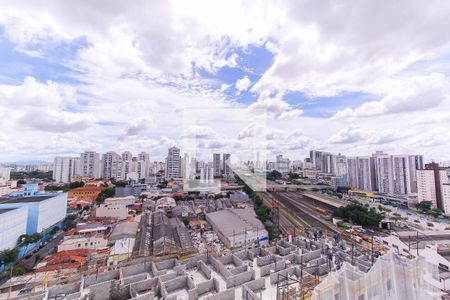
<point x="305" y="268"/>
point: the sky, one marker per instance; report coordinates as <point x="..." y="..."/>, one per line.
<point x="347" y="77"/>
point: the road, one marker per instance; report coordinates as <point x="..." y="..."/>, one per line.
<point x="48" y="249"/>
<point x="143" y="244"/>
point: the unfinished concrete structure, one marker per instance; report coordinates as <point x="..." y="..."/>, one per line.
<point x="283" y="271"/>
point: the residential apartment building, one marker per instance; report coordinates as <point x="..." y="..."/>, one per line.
<point x="360" y="173"/>
<point x="226" y="165"/>
<point x="216" y="165"/>
<point x="90" y="164"/>
<point x="66" y="168"/>
<point x="282" y="164"/>
<point x="432" y="185"/>
<point x="173" y="163"/>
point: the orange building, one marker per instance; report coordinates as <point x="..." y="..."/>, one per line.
<point x="84" y="194"/>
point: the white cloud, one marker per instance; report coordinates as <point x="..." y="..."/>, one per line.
<point x="347" y="135"/>
<point x="243" y="84"/>
<point x="417" y="95"/>
<point x="131" y="67"/>
<point x="294" y="113"/>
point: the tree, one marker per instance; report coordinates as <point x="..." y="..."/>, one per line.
<point x="178" y="198"/>
<point x="359" y="214"/>
<point x="263" y="212"/>
<point x="121" y="183"/>
<point x="106" y="193"/>
<point x="273" y="175"/>
<point x="70" y="222"/>
<point x="424" y="206"/>
<point x="26" y="239"/>
<point x="76" y="184"/>
<point x="434" y="212"/>
<point x="8" y="256"/>
<point x="79" y="207"/>
<point x="18" y="270"/>
<point x="293" y="175"/>
<point x="21" y="181"/>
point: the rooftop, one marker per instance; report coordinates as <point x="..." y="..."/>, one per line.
<point x="5" y="210"/>
<point x="10" y="200"/>
<point x="86" y="188"/>
<point x="235" y="220"/>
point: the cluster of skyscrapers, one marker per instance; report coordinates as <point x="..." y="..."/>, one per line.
<point x="112" y="165"/>
<point x="381" y="172"/>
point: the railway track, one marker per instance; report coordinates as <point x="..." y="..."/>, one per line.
<point x="311" y="217"/>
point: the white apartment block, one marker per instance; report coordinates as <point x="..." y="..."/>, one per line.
<point x="426" y="186"/>
<point x="90" y="164"/>
<point x="173" y="163"/>
<point x="433" y="185"/>
<point x="66" y="168"/>
<point x="282" y="165"/>
<point x="226" y="168"/>
<point x="360" y="173"/>
<point x="5" y="174"/>
<point x="216" y="164"/>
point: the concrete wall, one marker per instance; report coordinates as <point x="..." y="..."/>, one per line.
<point x="239" y="279"/>
<point x="145" y="296"/>
<point x="101" y="277"/>
<point x="279" y="265"/>
<point x="145" y="267"/>
<point x="205" y="269"/>
<point x="66" y="289"/>
<point x="225" y="295"/>
<point x="219" y="267"/>
<point x="134" y="278"/>
<point x="144" y="285"/>
<point x="201" y="288"/>
<point x="100" y="291"/>
<point x="239" y="270"/>
<point x="249" y="288"/>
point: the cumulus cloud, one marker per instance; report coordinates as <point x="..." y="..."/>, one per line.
<point x="417" y="95"/>
<point x="137" y="126"/>
<point x="294" y="113"/>
<point x="347" y="135"/>
<point x="200" y="132"/>
<point x="243" y="84"/>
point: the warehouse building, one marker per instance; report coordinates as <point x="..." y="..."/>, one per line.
<point x="238" y="227"/>
<point x="13" y="223"/>
<point x="43" y="211"/>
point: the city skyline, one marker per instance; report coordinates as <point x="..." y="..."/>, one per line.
<point x="115" y="82"/>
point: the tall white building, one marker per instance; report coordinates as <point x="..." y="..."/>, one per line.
<point x="90" y="164"/>
<point x="207" y="175"/>
<point x="65" y="168"/>
<point x="216" y="165"/>
<point x="360" y="173"/>
<point x="432" y="185"/>
<point x="173" y="163"/>
<point x="142" y="165"/>
<point x="339" y="165"/>
<point x="112" y="165"/>
<point x="396" y="174"/>
<point x="226" y="168"/>
<point x="282" y="164"/>
<point x="5" y="173"/>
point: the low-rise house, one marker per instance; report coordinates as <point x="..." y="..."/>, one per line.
<point x="165" y="203"/>
<point x="94" y="241"/>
